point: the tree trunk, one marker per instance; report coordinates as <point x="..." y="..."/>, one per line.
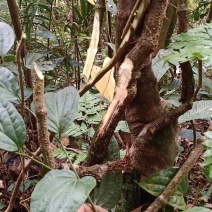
<point x="160" y="151"/>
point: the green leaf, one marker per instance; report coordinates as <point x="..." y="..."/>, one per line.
<point x="189" y="134"/>
<point x="9" y="87"/>
<point x="194" y="45"/>
<point x="11" y="66"/>
<point x="198" y="209"/>
<point x="61" y="190"/>
<point x="7" y="38"/>
<point x="177" y="200"/>
<point x="207" y="170"/>
<point x="200" y="110"/>
<point x="27" y="93"/>
<point x="158" y="65"/>
<point x="46" y="34"/>
<point x="158" y="181"/>
<point x="62" y="109"/>
<point x="105" y="195"/>
<point x="207" y="162"/>
<point x="113" y="150"/>
<point x="31" y="58"/>
<point x="109" y="190"/>
<point x="46" y="66"/>
<point x="207" y="143"/>
<point x="12" y="127"/>
<point x="2" y="205"/>
<point x="122" y="126"/>
<point x="208" y="134"/>
<point x="208" y="153"/>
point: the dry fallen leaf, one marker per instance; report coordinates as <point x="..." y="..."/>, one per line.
<point x="91" y="1"/>
<point x="106" y="85"/>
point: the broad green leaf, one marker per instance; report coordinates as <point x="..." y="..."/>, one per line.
<point x="122" y="126"/>
<point x="208" y="153"/>
<point x="158" y="181"/>
<point x="184" y="186"/>
<point x="109" y="191"/>
<point x="200" y="110"/>
<point x="207" y="143"/>
<point x="7" y="38"/>
<point x="12" y="127"/>
<point x="9" y="87"/>
<point x="62" y="109"/>
<point x="189" y="134"/>
<point x="207" y="162"/>
<point x="46" y="34"/>
<point x="2" y="205"/>
<point x="198" y="209"/>
<point x="27" y="93"/>
<point x="207" y="170"/>
<point x="46" y="66"/>
<point x="206" y="81"/>
<point x="177" y="200"/>
<point x="194" y="45"/>
<point x="61" y="191"/>
<point x="113" y="150"/>
<point x="31" y="58"/>
<point x="158" y="65"/>
<point x="11" y="66"/>
<point x="208" y="134"/>
<point x="105" y="195"/>
<point x="9" y="58"/>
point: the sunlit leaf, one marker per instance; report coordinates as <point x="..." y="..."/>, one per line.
<point x="106" y="85"/>
<point x="91" y="1"/>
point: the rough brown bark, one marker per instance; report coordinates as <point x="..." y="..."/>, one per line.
<point x="146" y="107"/>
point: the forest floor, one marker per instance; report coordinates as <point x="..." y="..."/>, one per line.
<point x="10" y="168"/>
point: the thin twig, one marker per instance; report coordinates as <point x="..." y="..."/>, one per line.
<point x="200" y="79"/>
<point x="194" y="133"/>
<point x="20" y="46"/>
